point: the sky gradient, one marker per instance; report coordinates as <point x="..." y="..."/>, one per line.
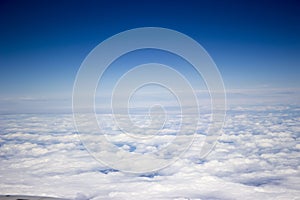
<point x="173" y="146"/>
<point x="255" y="44"/>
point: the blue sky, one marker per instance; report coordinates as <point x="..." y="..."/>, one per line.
<point x="255" y="44"/>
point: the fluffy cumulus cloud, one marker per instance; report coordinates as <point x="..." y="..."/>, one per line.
<point x="257" y="157"/>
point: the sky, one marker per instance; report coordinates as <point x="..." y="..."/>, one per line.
<point x="46" y="150"/>
<point x="255" y="44"/>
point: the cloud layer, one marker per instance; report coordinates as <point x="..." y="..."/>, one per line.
<point x="257" y="157"/>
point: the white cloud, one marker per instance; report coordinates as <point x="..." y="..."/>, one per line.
<point x="257" y="157"/>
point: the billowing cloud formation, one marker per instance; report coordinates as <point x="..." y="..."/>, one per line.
<point x="257" y="157"/>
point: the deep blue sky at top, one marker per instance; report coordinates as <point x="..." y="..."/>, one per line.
<point x="42" y="43"/>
